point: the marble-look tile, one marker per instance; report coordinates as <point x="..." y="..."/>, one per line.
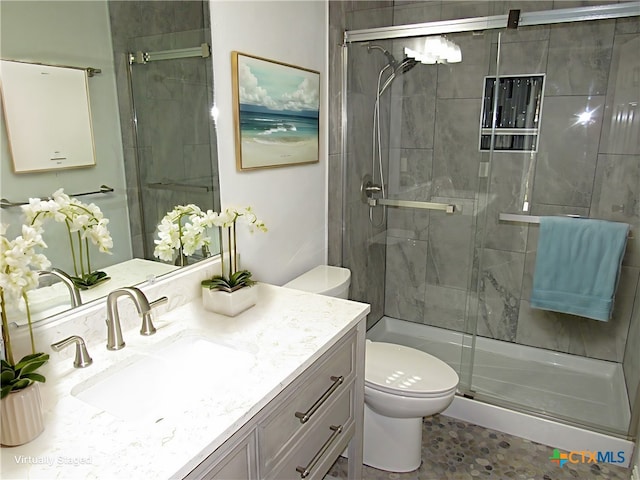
<point x="456" y="156"/>
<point x="420" y="80"/>
<point x="616" y="197"/>
<point x="621" y="125"/>
<point x="466" y="79"/>
<point x="405" y="278"/>
<point x="510" y="174"/>
<point x="450" y="250"/>
<point x="369" y="17"/>
<point x="416" y="122"/>
<point x="627" y="25"/>
<point x="364" y="66"/>
<point x="499" y="294"/>
<point x="579" y="57"/>
<point x="198" y="166"/>
<point x="502" y="7"/>
<point x="194" y="111"/>
<point x="445" y="307"/>
<point x="567" y="152"/>
<point x="416" y="12"/>
<point x="520" y="58"/>
<point x="579" y="335"/>
<point x="465" y="9"/>
<point x="366" y="259"/>
<point x="410" y="173"/>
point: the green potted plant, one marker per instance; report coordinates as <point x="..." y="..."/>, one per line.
<point x="22" y="418"/>
<point x="229" y="292"/>
<point x="84" y="223"/>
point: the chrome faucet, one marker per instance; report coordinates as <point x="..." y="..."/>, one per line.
<point x="76" y="300"/>
<point x="114" y="331"/>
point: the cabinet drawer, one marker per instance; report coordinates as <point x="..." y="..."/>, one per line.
<point x="236" y="463"/>
<point x="317" y="449"/>
<point x="306" y="400"/>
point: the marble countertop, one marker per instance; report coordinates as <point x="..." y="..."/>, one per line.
<point x="284" y="333"/>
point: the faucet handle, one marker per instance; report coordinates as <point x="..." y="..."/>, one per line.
<point x="82" y="355"/>
<point x="147" y="317"/>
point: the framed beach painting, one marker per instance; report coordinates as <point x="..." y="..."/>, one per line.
<point x="277" y="109"/>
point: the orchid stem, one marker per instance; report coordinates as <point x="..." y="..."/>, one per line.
<point x="6" y="339"/>
<point x="26" y="303"/>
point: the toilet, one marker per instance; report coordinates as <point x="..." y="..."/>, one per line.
<point x="402" y="385"/>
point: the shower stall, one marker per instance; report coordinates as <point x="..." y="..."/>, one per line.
<point x="447" y="167"/>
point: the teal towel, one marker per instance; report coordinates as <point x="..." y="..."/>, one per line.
<point x="578" y="265"/>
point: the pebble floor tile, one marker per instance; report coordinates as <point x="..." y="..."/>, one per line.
<point x="455" y="450"/>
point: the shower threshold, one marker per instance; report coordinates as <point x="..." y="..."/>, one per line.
<point x="581" y="390"/>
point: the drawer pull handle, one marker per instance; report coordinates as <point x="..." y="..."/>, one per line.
<point x="304" y="417"/>
<point x="306" y="471"/>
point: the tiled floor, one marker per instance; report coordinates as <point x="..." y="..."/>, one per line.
<point x="455" y="450"/>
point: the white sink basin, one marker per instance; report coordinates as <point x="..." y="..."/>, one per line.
<point x="148" y="387"/>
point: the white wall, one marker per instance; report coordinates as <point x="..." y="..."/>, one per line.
<point x="290" y="200"/>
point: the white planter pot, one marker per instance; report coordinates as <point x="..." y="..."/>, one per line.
<point x="22" y="418"/>
<point x="229" y="304"/>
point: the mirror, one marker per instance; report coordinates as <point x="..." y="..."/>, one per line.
<point x="151" y="105"/>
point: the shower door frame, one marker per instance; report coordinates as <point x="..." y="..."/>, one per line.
<point x="495" y="22"/>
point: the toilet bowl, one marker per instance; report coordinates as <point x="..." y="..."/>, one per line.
<point x="402" y="385"/>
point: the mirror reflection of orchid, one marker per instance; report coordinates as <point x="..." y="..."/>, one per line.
<point x="182" y="232"/>
<point x="84" y="222"/>
<point x="19" y="266"/>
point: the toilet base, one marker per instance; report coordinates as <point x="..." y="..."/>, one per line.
<point x="392" y="444"/>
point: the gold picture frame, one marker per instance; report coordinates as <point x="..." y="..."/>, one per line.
<point x="276" y="113"/>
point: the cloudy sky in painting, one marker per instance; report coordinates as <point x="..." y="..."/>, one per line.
<point x="276" y="86"/>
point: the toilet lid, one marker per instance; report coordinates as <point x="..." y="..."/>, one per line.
<point x="399" y="369"/>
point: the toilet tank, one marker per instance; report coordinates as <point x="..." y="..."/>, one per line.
<point x="325" y="280"/>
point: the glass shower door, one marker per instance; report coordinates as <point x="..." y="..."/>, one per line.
<point x="554" y="115"/>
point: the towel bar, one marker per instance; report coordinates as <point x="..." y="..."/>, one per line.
<point x="514" y="217"/>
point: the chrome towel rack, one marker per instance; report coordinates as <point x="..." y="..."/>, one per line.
<point x="4" y="203"/>
<point x="514" y="217"/>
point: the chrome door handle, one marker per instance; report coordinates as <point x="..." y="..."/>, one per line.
<point x="306" y="471"/>
<point x="304" y="417"/>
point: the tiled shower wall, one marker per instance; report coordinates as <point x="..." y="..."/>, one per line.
<point x="176" y="137"/>
<point x="432" y="264"/>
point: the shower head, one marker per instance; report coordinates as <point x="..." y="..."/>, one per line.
<point x="397" y="68"/>
<point x="405" y="65"/>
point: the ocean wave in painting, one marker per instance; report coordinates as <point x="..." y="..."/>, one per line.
<point x="278" y="127"/>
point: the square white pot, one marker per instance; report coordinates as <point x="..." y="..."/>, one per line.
<point x="229" y="303"/>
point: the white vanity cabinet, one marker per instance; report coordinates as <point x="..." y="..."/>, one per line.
<point x="303" y="430"/>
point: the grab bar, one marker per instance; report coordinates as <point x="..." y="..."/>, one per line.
<point x="4" y="203"/>
<point x="445" y="207"/>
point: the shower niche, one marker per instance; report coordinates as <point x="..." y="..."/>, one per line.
<point x="517" y="109"/>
